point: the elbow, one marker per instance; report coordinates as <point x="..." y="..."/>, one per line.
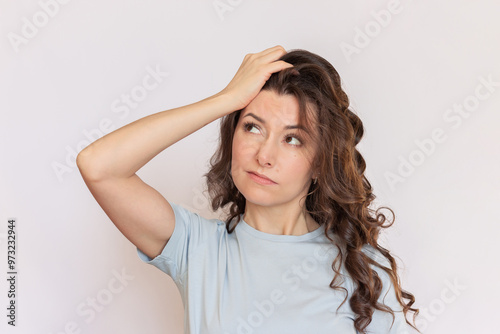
<point x="87" y="165"/>
<point x="83" y="156"/>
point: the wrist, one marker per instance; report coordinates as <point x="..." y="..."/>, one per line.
<point x="226" y="103"/>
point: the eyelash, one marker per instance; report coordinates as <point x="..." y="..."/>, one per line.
<point x="253" y="125"/>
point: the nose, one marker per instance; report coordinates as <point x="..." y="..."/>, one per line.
<point x="266" y="153"/>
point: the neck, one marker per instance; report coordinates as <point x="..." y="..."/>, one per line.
<point x="279" y="220"/>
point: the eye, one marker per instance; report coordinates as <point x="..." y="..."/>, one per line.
<point x="251" y="127"/>
<point x="292" y="141"/>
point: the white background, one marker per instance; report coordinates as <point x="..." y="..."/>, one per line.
<point x="61" y="81"/>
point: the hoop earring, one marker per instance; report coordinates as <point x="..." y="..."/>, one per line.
<point x="312" y="191"/>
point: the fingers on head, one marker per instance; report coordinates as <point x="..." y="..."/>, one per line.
<point x="273" y="54"/>
<point x="279" y="65"/>
<point x="278" y="49"/>
<point x="275" y="49"/>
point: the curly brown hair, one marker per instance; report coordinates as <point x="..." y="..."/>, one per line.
<point x="340" y="199"/>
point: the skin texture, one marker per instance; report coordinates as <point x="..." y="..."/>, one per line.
<point x="268" y="148"/>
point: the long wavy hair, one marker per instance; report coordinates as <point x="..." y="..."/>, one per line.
<point x="340" y="199"/>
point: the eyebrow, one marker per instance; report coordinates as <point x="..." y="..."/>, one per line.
<point x="288" y="127"/>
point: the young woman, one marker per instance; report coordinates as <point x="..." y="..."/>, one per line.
<point x="298" y="250"/>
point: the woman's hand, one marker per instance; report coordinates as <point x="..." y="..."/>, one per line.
<point x="253" y="74"/>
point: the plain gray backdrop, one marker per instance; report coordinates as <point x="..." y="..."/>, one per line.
<point x="423" y="76"/>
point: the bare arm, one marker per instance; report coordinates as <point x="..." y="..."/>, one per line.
<point x="109" y="165"/>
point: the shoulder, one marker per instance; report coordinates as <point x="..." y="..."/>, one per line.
<point x="388" y="293"/>
<point x="382" y="320"/>
<point x="374" y="254"/>
<point x="191" y="232"/>
<point x="192" y="229"/>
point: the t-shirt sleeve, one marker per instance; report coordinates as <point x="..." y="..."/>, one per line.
<point x="189" y="233"/>
<point x="381" y="320"/>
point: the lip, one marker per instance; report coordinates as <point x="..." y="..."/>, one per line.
<point x="261" y="179"/>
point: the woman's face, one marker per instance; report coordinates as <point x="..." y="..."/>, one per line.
<point x="271" y="161"/>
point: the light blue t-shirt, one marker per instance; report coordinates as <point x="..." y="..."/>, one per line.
<point x="251" y="282"/>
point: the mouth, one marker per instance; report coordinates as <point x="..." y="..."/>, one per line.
<point x="261" y="179"/>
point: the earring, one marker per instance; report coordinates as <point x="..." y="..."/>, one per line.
<point x="315" y="180"/>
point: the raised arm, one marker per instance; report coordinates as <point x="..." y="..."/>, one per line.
<point x="109" y="165"/>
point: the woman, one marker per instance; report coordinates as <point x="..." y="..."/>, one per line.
<point x="298" y="252"/>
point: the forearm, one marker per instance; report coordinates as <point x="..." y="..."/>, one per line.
<point x="121" y="153"/>
<point x="124" y="151"/>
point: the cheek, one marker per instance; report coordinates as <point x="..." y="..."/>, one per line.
<point x="238" y="156"/>
<point x="236" y="149"/>
<point x="242" y="149"/>
<point x="298" y="168"/>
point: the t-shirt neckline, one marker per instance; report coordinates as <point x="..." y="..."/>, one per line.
<point x="278" y="237"/>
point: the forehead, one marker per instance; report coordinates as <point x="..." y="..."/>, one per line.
<point x="274" y="107"/>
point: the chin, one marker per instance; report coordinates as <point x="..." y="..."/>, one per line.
<point x="257" y="197"/>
